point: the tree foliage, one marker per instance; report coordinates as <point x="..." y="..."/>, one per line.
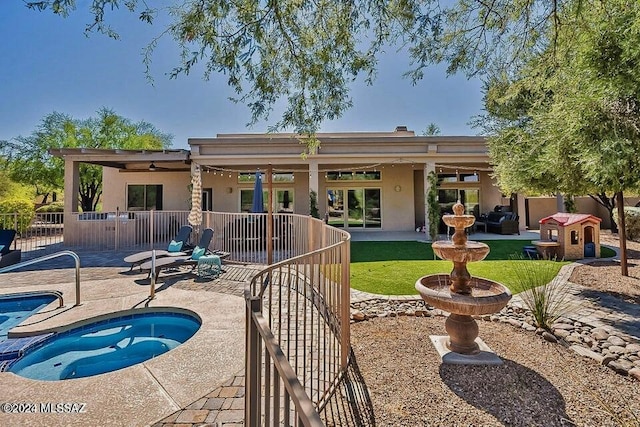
<point x="27" y="158"/>
<point x="569" y="120"/>
<point x="305" y="54"/>
<point x="13" y="190"/>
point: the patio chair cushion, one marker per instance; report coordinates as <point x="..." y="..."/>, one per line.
<point x="175" y="246"/>
<point x="198" y="252"/>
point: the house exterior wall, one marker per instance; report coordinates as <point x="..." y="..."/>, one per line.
<point x="175" y="187"/>
<point x="397" y="206"/>
<point x="542" y="207"/>
<point x="490" y="195"/>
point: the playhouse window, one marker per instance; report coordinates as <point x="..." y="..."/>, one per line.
<point x="574" y="237"/>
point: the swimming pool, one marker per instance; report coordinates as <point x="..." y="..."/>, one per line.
<point x="15" y="308"/>
<point x="106" y="346"/>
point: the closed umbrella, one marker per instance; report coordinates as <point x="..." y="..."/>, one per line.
<point x="285" y="200"/>
<point x="257" y="206"/>
<point x="195" y="216"/>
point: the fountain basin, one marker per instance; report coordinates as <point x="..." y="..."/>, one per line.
<point x="469" y="252"/>
<point x="463" y="221"/>
<point x="486" y="295"/>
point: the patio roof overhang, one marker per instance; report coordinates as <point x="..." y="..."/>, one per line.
<point x="128" y="160"/>
<point x="285" y="150"/>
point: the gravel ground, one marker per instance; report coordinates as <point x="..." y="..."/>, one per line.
<point x="540" y="384"/>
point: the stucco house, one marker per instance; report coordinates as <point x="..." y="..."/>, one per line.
<point x="363" y="180"/>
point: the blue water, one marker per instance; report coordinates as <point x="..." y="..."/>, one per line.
<point x="106" y="346"/>
<point x="14" y="309"/>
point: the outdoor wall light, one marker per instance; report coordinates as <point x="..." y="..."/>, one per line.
<point x="152" y="167"/>
<point x="229" y="190"/>
<point x="398" y="188"/>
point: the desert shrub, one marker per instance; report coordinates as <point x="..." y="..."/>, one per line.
<point x="543" y="294"/>
<point x="51" y="207"/>
<point x="16" y="213"/>
<point x="631" y="222"/>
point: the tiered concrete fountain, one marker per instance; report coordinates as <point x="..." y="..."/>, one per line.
<point x="461" y="295"/>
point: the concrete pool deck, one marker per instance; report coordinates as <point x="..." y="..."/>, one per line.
<point x="141" y="394"/>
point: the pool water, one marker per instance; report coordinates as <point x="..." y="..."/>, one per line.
<point x="14" y="309"/>
<point x="106" y="346"/>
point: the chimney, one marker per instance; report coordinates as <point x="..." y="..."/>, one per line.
<point x="401" y="129"/>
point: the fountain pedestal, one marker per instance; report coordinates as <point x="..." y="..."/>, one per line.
<point x="462" y="296"/>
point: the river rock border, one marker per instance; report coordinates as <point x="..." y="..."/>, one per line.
<point x="604" y="345"/>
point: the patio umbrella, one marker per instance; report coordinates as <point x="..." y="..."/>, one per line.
<point x="257" y="206"/>
<point x="195" y="216"/>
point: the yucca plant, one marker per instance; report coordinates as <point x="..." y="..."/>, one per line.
<point x="542" y="292"/>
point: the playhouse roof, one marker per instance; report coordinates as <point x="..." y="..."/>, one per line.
<point x="564" y="219"/>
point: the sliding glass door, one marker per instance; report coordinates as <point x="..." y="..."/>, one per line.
<point x="354" y="207"/>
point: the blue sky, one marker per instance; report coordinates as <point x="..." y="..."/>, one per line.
<point x="48" y="64"/>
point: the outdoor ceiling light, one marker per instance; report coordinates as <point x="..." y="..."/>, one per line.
<point x="152" y="166"/>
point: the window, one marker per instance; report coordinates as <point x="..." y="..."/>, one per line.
<point x="574" y="237"/>
<point x="458" y="177"/>
<point x="144" y="197"/>
<point x="207" y="199"/>
<point x="353" y="176"/>
<point x="244" y="177"/>
<point x="246" y="200"/>
<point x="282" y="200"/>
<point x="447" y="177"/>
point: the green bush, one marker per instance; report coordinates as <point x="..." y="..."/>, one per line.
<point x="51" y="207"/>
<point x="25" y="210"/>
<point x="632" y="222"/>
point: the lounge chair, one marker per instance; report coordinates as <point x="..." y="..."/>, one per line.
<point x="175" y="248"/>
<point x="180" y="261"/>
<point x="8" y="256"/>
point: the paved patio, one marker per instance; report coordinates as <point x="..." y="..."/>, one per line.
<point x="162" y="385"/>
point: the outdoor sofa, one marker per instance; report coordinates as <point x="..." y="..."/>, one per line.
<point x="502" y="223"/>
<point x="7" y="255"/>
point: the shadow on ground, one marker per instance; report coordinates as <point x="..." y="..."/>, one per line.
<point x="517" y="396"/>
<point x="350" y="404"/>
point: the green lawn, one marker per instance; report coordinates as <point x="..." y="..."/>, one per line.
<point x="392" y="268"/>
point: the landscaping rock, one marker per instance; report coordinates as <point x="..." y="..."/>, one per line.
<point x="549" y="337"/>
<point x="358" y="316"/>
<point x="616" y="349"/>
<point x="608" y="358"/>
<point x="587" y="353"/>
<point x="599" y="334"/>
<point x="635" y="373"/>
<point x="614" y="340"/>
<point x="566" y="326"/>
<point x="621" y="366"/>
<point x="633" y="348"/>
